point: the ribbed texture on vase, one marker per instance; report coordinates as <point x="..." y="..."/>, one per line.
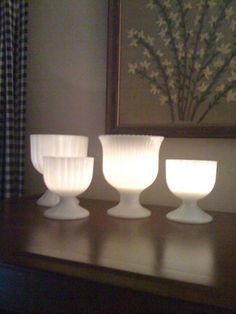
<point x="130" y="161"/>
<point x="68" y="176"/>
<point x="56" y="145"/>
<point x="190" y="179"/>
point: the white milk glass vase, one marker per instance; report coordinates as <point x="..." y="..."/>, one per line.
<point x="190" y="180"/>
<point x="68" y="177"/>
<point x="130" y="165"/>
<point x="57" y="145"/>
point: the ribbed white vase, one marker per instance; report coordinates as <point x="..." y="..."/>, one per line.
<point x="190" y="180"/>
<point x="55" y="145"/>
<point x="130" y="164"/>
<point x="67" y="177"/>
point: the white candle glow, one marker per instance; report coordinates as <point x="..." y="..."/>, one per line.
<point x="190" y="180"/>
<point x="130" y="164"/>
<point x="67" y="177"/>
<point x="55" y="145"/>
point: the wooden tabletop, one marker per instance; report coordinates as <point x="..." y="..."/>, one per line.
<point x="195" y="263"/>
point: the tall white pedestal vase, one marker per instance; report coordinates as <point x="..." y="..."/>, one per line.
<point x="55" y="145"/>
<point x="190" y="180"/>
<point x="67" y="177"/>
<point x="130" y="164"/>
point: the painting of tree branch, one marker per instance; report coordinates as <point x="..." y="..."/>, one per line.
<point x="176" y="67"/>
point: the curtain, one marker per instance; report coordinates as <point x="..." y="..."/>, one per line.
<point x="13" y="43"/>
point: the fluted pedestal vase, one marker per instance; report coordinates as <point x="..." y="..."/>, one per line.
<point x="68" y="177"/>
<point x="55" y="145"/>
<point x="190" y="180"/>
<point x="130" y="164"/>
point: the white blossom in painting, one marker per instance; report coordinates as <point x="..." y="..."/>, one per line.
<point x="190" y="63"/>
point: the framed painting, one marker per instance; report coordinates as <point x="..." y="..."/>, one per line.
<point x="172" y="68"/>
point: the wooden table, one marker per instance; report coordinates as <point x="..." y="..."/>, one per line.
<point x="107" y="265"/>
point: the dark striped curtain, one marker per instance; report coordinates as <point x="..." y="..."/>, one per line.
<point x="13" y="40"/>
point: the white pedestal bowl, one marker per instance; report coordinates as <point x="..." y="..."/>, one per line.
<point x="56" y="145"/>
<point x="67" y="177"/>
<point x="190" y="180"/>
<point x="130" y="165"/>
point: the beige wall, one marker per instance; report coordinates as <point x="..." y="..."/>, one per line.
<point x="66" y="94"/>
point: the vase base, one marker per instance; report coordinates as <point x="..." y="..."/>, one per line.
<point x="134" y="212"/>
<point x="67" y="210"/>
<point x="189" y="215"/>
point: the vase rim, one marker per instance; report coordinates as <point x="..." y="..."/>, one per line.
<point x="191" y="160"/>
<point x="132" y="135"/>
<point x="65" y="135"/>
<point x="68" y="158"/>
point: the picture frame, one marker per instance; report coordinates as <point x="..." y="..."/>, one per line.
<point x="121" y="88"/>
